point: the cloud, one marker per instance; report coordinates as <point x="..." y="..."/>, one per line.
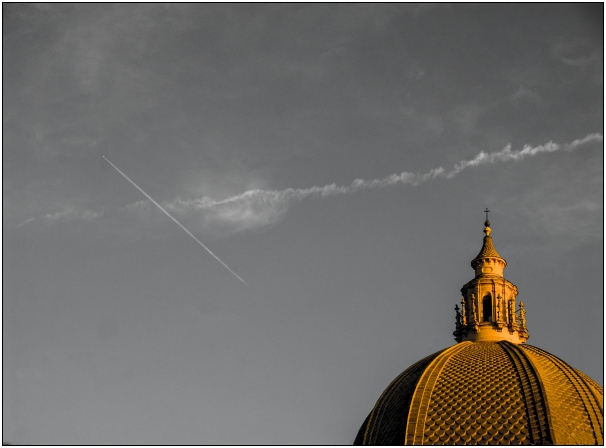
<point x="71" y="213"/>
<point x="590" y="138"/>
<point x="581" y="61"/>
<point x="525" y="94"/>
<point x="260" y="208"/>
<point x="577" y="53"/>
<point x="257" y="208"/>
<point x="507" y="155"/>
<point x="27" y="221"/>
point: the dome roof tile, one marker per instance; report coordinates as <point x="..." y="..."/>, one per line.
<point x="487" y="393"/>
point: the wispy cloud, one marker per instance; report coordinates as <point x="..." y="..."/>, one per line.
<point x="582" y="61"/>
<point x="255" y="208"/>
<point x="507" y="155"/>
<point x="69" y="214"/>
<point x="526" y="94"/>
<point x="27" y="221"/>
<point x="259" y="208"/>
<point x="577" y="53"/>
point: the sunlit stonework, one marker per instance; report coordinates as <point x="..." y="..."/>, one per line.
<point x="491" y="387"/>
<point x="488" y="307"/>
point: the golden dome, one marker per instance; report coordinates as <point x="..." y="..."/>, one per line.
<point x="491" y="387"/>
<point x="487" y="393"/>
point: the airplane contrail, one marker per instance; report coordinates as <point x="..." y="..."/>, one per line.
<point x="255" y="208"/>
<point x="258" y="207"/>
<point x="177" y="222"/>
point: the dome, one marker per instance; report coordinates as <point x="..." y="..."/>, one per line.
<point x="487" y="393"/>
<point x="491" y="387"/>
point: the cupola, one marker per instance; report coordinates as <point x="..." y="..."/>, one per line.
<point x="490" y="388"/>
<point x="489" y="311"/>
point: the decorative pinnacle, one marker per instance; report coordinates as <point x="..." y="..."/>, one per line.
<point x="487" y="223"/>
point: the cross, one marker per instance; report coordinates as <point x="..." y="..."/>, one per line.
<point x="486" y="211"/>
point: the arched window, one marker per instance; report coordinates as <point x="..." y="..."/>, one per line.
<point x="487" y="308"/>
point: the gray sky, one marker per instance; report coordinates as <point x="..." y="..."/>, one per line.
<point x="238" y="119"/>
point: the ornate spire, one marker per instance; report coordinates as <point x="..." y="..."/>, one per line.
<point x="488" y="261"/>
<point x="488" y="308"/>
<point x="488" y="249"/>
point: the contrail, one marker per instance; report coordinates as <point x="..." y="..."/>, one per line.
<point x="177" y="222"/>
<point x="25" y="222"/>
<point x="279" y="196"/>
<point x="257" y="207"/>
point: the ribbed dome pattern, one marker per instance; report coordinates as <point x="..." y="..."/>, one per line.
<point x="487" y="393"/>
<point x="488" y="249"/>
